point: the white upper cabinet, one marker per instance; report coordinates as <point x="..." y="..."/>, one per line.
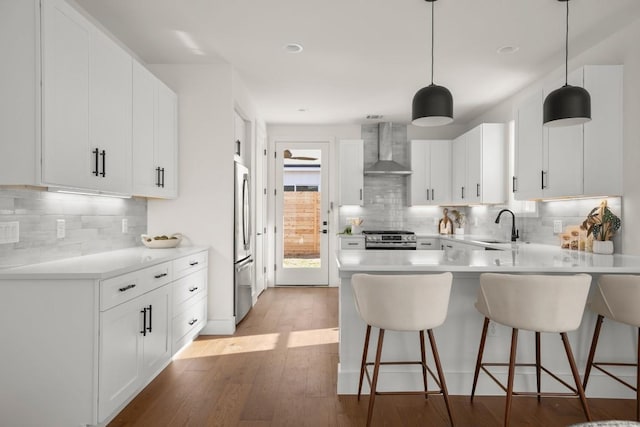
<point x="68" y="114"/>
<point x="430" y="182"/>
<point x="67" y="159"/>
<point x="110" y="93"/>
<point x="86" y="92"/>
<point x="582" y="160"/>
<point x="155" y="143"/>
<point x="478" y="165"/>
<point x="528" y="148"/>
<point x="351" y="172"/>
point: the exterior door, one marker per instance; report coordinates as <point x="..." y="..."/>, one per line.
<point x="302" y="213"/>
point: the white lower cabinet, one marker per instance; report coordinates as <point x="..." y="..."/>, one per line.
<point x="352" y="242"/>
<point x="428" y="244"/>
<point x="99" y="340"/>
<point x="134" y="346"/>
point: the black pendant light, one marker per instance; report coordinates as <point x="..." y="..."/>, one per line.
<point x="568" y="105"/>
<point x="433" y="104"/>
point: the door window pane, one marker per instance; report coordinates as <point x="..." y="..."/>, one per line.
<point x="301" y="210"/>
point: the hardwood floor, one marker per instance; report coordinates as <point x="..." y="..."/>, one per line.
<point x="280" y="369"/>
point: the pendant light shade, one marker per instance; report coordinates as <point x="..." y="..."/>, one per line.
<point x="433" y="104"/>
<point x="568" y="105"/>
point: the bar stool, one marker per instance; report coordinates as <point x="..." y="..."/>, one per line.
<point x="538" y="303"/>
<point x="402" y="303"/>
<point x="616" y="298"/>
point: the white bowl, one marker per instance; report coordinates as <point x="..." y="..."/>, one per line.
<point x="152" y="243"/>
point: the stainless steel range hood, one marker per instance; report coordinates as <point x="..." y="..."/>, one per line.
<point x="385" y="164"/>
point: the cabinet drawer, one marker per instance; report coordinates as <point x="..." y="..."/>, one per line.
<point x="188" y="287"/>
<point x="189" y="320"/>
<point x="428" y="244"/>
<point x="186" y="265"/>
<point x="352" y="243"/>
<point x="122" y="288"/>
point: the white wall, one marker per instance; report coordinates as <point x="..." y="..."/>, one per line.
<point x="204" y="208"/>
<point x="620" y="48"/>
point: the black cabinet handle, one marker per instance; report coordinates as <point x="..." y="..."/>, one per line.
<point x="361" y="194"/>
<point x="513" y="184"/>
<point x="194" y="263"/>
<point x="477" y="190"/>
<point x="104" y="161"/>
<point x="144" y="322"/>
<point x="462" y="192"/>
<point x="150" y="318"/>
<point x="157" y="276"/>
<point x="433" y="197"/>
<point x="353" y="243"/>
<point x="158" y="176"/>
<point x="95" y="153"/>
<point x="427" y="194"/>
<point x="192" y="322"/>
<point x="195" y="288"/>
<point x="542" y="184"/>
<point x="126" y="288"/>
<point x="162" y="171"/>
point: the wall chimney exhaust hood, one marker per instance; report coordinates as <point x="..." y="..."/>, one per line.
<point x="385" y="164"/>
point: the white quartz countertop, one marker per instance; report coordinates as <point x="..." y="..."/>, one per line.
<point x="98" y="266"/>
<point x="511" y="258"/>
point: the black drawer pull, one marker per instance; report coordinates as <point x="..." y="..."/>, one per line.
<point x="157" y="276"/>
<point x="194" y="263"/>
<point x="450" y="247"/>
<point x="195" y="288"/>
<point x="426" y="244"/>
<point x="126" y="288"/>
<point x="150" y="317"/>
<point x="353" y="243"/>
<point x="192" y="322"/>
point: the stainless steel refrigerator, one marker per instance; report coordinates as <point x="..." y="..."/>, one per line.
<point x="243" y="259"/>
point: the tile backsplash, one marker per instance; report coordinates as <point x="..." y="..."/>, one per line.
<point x="93" y="224"/>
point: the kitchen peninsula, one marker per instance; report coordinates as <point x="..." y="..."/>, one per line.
<point x="459" y="336"/>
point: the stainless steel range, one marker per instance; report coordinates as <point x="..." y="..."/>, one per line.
<point x="390" y="239"/>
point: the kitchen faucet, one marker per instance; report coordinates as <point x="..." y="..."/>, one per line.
<point x="514" y="233"/>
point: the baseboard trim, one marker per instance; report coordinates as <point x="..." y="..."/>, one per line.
<point x="219" y="327"/>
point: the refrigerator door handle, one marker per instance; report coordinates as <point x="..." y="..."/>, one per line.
<point x="245" y="212"/>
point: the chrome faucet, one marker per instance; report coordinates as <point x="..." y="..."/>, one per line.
<point x="514" y="233"/>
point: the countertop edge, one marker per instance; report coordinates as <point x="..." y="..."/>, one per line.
<point x="51" y="270"/>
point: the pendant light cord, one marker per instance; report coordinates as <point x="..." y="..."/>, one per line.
<point x="566" y="49"/>
<point x="432" y="41"/>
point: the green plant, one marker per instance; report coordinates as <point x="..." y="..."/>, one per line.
<point x="601" y="223"/>
<point x="459" y="218"/>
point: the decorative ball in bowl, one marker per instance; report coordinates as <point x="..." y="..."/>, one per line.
<point x="161" y="242"/>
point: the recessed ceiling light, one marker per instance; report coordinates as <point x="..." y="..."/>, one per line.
<point x="292" y="48"/>
<point x="508" y="50"/>
<point x="302" y="110"/>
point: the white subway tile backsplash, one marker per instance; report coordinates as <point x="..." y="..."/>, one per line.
<point x="93" y="224"/>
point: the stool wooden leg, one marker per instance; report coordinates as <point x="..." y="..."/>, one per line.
<point x="443" y="384"/>
<point x="374" y="381"/>
<point x="424" y="364"/>
<point x="576" y="375"/>
<point x="483" y="339"/>
<point x="592" y="351"/>
<point x="638" y="380"/>
<point x="538" y="364"/>
<point x="512" y="369"/>
<point x="363" y="366"/>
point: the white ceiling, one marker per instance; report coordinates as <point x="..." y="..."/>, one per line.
<point x="364" y="56"/>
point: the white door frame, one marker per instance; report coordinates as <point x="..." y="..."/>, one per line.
<point x="302" y="276"/>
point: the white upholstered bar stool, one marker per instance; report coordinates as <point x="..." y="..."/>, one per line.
<point x="415" y="303"/>
<point x="617" y="297"/>
<point x="538" y="303"/>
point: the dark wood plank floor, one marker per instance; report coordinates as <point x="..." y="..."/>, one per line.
<point x="279" y="369"/>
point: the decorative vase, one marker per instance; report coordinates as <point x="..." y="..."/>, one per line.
<point x="603" y="247"/>
<point x="356" y="229"/>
